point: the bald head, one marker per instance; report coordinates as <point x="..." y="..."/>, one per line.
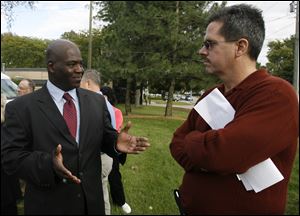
<point x="25" y="86"/>
<point x="56" y="50"/>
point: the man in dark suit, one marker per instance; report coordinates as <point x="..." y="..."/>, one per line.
<point x="59" y="162"/>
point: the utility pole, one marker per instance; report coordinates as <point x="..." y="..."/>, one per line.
<point x="3" y="67"/>
<point x="90" y="37"/>
<point x="295" y="5"/>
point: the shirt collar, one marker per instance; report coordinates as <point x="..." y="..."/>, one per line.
<point x="57" y="93"/>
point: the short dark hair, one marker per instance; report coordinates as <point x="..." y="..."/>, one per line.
<point x="242" y="21"/>
<point x="109" y="92"/>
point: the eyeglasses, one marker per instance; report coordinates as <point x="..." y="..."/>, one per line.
<point x="209" y="44"/>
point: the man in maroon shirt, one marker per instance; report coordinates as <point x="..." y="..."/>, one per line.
<point x="265" y="124"/>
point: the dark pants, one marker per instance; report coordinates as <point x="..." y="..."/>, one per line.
<point x="116" y="185"/>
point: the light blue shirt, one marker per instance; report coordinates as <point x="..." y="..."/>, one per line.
<point x="57" y="96"/>
<point x="111" y="111"/>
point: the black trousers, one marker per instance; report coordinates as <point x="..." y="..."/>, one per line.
<point x="116" y="185"/>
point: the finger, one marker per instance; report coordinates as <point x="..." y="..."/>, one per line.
<point x="139" y="149"/>
<point x="143" y="144"/>
<point x="142" y="139"/>
<point x="58" y="149"/>
<point x="75" y="179"/>
<point x="67" y="174"/>
<point x="127" y="127"/>
<point x="72" y="178"/>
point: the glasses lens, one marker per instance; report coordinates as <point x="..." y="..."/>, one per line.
<point x="206" y="44"/>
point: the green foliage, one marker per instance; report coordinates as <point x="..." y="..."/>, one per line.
<point x="281" y="58"/>
<point x="155" y="40"/>
<point x="23" y="52"/>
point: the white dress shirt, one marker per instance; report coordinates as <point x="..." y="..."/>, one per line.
<point x="57" y="96"/>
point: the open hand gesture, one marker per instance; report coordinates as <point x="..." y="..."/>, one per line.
<point x="131" y="144"/>
<point x="59" y="167"/>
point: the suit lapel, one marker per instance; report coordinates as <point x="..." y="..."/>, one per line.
<point x="49" y="108"/>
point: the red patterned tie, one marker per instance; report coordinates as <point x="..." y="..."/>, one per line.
<point x="70" y="114"/>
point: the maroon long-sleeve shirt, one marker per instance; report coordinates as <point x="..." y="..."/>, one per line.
<point x="265" y="125"/>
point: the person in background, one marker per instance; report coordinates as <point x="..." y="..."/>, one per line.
<point x="52" y="138"/>
<point x="115" y="177"/>
<point x="91" y="81"/>
<point x="265" y="124"/>
<point x="26" y="86"/>
<point x="10" y="186"/>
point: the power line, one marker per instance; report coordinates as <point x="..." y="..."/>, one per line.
<point x="289" y="25"/>
<point x="278" y="18"/>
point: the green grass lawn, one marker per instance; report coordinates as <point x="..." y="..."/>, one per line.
<point x="156" y="112"/>
<point x="149" y="178"/>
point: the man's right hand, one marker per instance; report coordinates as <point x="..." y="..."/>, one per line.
<point x="59" y="167"/>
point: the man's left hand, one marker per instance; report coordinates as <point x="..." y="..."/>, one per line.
<point x="131" y="144"/>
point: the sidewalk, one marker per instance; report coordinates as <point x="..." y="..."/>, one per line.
<point x="188" y="106"/>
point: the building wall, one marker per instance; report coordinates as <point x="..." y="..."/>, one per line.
<point x="38" y="75"/>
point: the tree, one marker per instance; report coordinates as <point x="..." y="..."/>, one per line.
<point x="7" y="7"/>
<point x="156" y="42"/>
<point x="281" y="58"/>
<point x="21" y="52"/>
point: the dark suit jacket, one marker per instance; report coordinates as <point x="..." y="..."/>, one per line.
<point x="10" y="188"/>
<point x="33" y="128"/>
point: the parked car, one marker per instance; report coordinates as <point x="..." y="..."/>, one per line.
<point x="175" y="97"/>
<point x="8" y="87"/>
<point x="188" y="98"/>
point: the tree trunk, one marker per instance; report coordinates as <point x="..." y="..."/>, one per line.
<point x="127" y="98"/>
<point x="168" y="111"/>
<point x="137" y="93"/>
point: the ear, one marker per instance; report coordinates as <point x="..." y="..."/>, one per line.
<point x="50" y="66"/>
<point x="243" y="47"/>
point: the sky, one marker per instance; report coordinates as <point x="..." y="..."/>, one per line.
<point x="50" y="19"/>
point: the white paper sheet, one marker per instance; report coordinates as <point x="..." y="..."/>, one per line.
<point x="245" y="182"/>
<point x="218" y="112"/>
<point x="262" y="175"/>
<point x="215" y="109"/>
